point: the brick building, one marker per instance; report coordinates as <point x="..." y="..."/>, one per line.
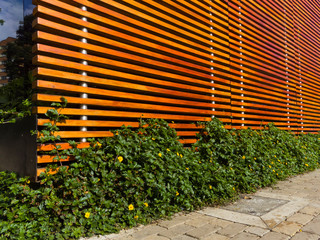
<point x="3" y="75"/>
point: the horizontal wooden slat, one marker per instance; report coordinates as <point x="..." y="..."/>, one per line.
<point x="248" y="63"/>
<point x="89" y="112"/>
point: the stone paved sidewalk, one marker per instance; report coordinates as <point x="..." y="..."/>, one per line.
<point x="288" y="210"/>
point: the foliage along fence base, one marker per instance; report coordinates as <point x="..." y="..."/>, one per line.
<point x="18" y="147"/>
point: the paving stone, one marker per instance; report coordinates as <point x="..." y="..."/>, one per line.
<point x="220" y="222"/>
<point x="315" y="203"/>
<point x="257" y="231"/>
<point x="288" y="228"/>
<point x="245" y="236"/>
<point x="110" y="236"/>
<point x="232" y="229"/>
<point x="234" y="216"/>
<point x="174" y="222"/>
<point x="183" y="237"/>
<point x="122" y="235"/>
<point x="195" y="214"/>
<point x="176" y="231"/>
<point x="312" y="227"/>
<point x="215" y="236"/>
<point x="203" y="231"/>
<point x="278" y="215"/>
<point x="198" y="222"/>
<point x="305" y="236"/>
<point x="255" y="205"/>
<point x="147" y="231"/>
<point x="123" y="238"/>
<point x="280" y="195"/>
<point x="274" y="236"/>
<point x="311" y="210"/>
<point x="153" y="237"/>
<point x="300" y="218"/>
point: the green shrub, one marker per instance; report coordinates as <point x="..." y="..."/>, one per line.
<point x="144" y="174"/>
<point x="133" y="177"/>
<point x="253" y="159"/>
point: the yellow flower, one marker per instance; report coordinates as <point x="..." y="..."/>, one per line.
<point x="130" y="207"/>
<point x="307" y="164"/>
<point x="159" y="154"/>
<point x="87" y="215"/>
<point x="28" y="181"/>
<point x="172" y="121"/>
<point x="136" y="217"/>
<point x="271" y="162"/>
<point x="178" y="154"/>
<point x="168" y="149"/>
<point x="181" y="155"/>
<point x="231" y="168"/>
<point x="120" y="159"/>
<point x="99" y="145"/>
<point x="243" y="157"/>
<point x="222" y="126"/>
<point x="269" y="166"/>
<point x="199" y="161"/>
<point x="146" y="204"/>
<point x="233" y="189"/>
<point x="153" y="139"/>
<point x="275" y="156"/>
<point x="210" y="160"/>
<point x="273" y="170"/>
<point x="177" y="193"/>
<point x="187" y="168"/>
<point x="117" y="133"/>
<point x="255" y="158"/>
<point x="210" y="186"/>
<point x="277" y="174"/>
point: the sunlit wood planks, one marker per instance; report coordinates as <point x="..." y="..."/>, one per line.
<point x="246" y="62"/>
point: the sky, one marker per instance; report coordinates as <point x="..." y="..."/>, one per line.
<point x="12" y="13"/>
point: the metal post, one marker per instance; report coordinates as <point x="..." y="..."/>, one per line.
<point x="287" y="72"/>
<point x="241" y="65"/>
<point x="212" y="57"/>
<point x="83" y="73"/>
<point x="300" y="92"/>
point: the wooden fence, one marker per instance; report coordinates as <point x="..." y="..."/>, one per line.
<point x="246" y="62"/>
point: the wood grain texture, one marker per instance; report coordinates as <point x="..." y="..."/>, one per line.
<point x="248" y="63"/>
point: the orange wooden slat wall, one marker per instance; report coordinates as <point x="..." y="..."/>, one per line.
<point x="246" y="62"/>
